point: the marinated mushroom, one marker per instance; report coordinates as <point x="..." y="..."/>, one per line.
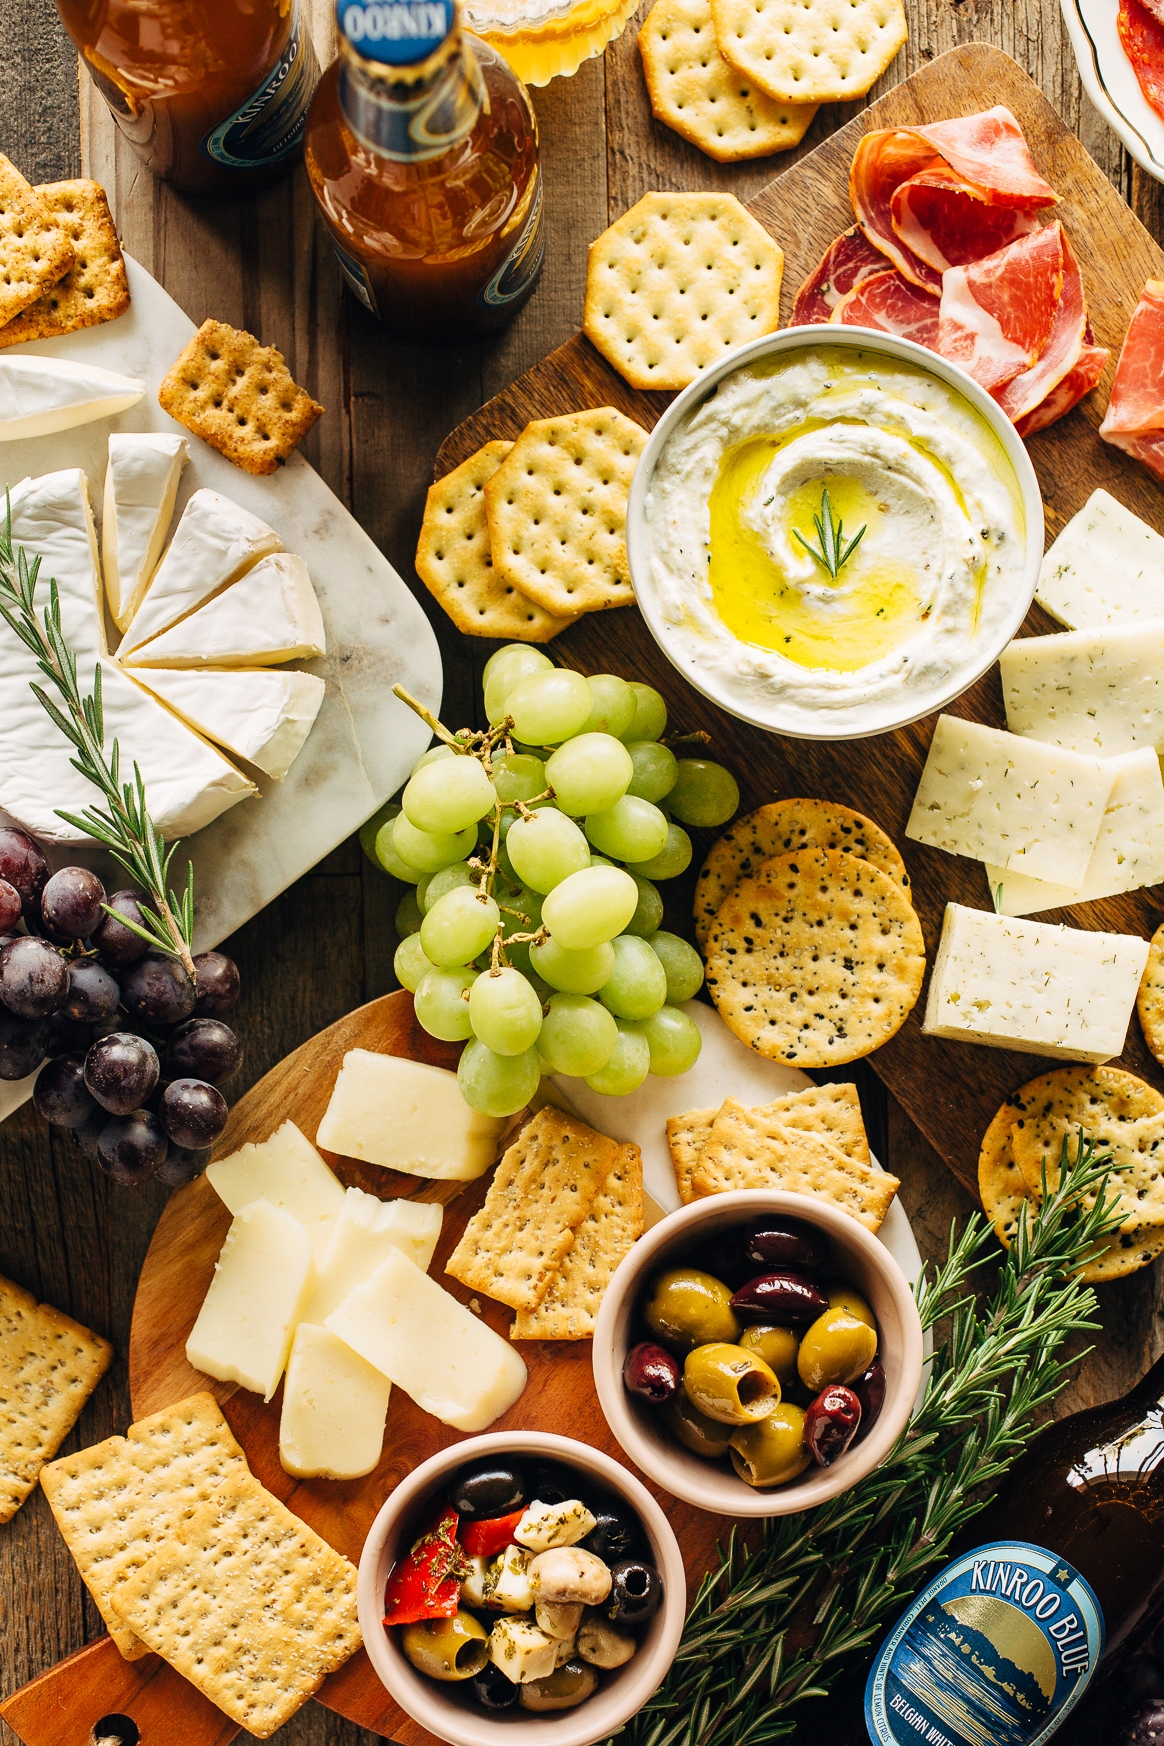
<point x="568" y="1576"/>
<point x="565" y="1688"/>
<point x="603" y="1644"/>
<point x="557" y="1621"/>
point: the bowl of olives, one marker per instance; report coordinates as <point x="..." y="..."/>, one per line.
<point x="758" y="1352"/>
<point x="521" y="1583"/>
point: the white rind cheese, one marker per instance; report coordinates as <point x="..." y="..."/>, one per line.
<point x="1033" y="986"/>
<point x="214" y="542"/>
<point x="363" y="1236"/>
<point x="287" y="1171"/>
<point x="262" y="1280"/>
<point x="39" y="396"/>
<point x="1098" y="691"/>
<point x="141" y="482"/>
<point x="264" y="717"/>
<point x="335" y="1406"/>
<point x="268" y="616"/>
<point x="1106" y="567"/>
<point x="406" y="1116"/>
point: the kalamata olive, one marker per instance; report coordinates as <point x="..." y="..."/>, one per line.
<point x="651" y="1373"/>
<point x="636" y="1592"/>
<point x="830" y="1423"/>
<point x="492" y="1690"/>
<point x="778" y="1242"/>
<point x="772" y="1452"/>
<point x="787" y="1299"/>
<point x="488" y="1489"/>
<point x="614" y="1536"/>
<point x="836" y="1348"/>
<point x="870" y="1391"/>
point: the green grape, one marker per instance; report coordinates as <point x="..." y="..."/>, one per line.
<point x="459" y="925"/>
<point x="546" y="849"/>
<point x="434" y="885"/>
<point x="656" y="770"/>
<point x="648" y="911"/>
<point x="410" y="964"/>
<point x="681" y="963"/>
<point x="526" y="906"/>
<point x="387" y="856"/>
<point x="506" y="868"/>
<point x="627" y="1067"/>
<point x="518" y="776"/>
<point x="440" y="750"/>
<point x="449" y="795"/>
<point x="637" y="987"/>
<point x="674" y="1041"/>
<point x="519" y="958"/>
<point x="589" y="773"/>
<point x="426" y="851"/>
<point x="573" y="972"/>
<point x="505" y="1012"/>
<point x="497" y="1085"/>
<point x="440" y="1004"/>
<point x="672" y="859"/>
<point x="613" y="708"/>
<point x="515" y="654"/>
<point x="548" y="707"/>
<point x="577" y="1036"/>
<point x="590" y="906"/>
<point x="631" y="830"/>
<point x="516" y="662"/>
<point x="371" y="828"/>
<point x="409" y="915"/>
<point x="650" y="719"/>
<point x="601" y="861"/>
<point x="705" y="794"/>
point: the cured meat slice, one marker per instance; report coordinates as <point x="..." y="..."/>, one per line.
<point x="888" y="302"/>
<point x="1134" y="420"/>
<point x="1068" y="393"/>
<point x="881" y="163"/>
<point x="947" y="223"/>
<point x="1141" y="28"/>
<point x="1062" y="353"/>
<point x="842" y="267"/>
<point x="990" y="150"/>
<point x="997" y="315"/>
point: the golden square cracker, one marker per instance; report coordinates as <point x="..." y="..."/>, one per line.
<point x="611" y="1228"/>
<point x="686" y="1137"/>
<point x="455" y="562"/>
<point x="694" y="90"/>
<point x="35" y="250"/>
<point x="49" y="1366"/>
<point x="118" y="1501"/>
<point x="248" y="1604"/>
<point x="675" y="282"/>
<point x="541" y="1191"/>
<point x="1150" y="999"/>
<point x="1120" y="1112"/>
<point x="810" y="51"/>
<point x="754" y="1148"/>
<point x="239" y="397"/>
<point x="95" y="288"/>
<point x="556" y="509"/>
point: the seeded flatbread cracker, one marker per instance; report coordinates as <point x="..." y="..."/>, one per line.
<point x="95" y="288"/>
<point x="816" y="960"/>
<point x="697" y="93"/>
<point x="1120" y="1112"/>
<point x="686" y="1137"/>
<point x="455" y="562"/>
<point x="239" y="397"/>
<point x="247" y="1603"/>
<point x="755" y="1148"/>
<point x="777" y="829"/>
<point x="611" y="1228"/>
<point x="49" y="1366"/>
<point x="675" y="282"/>
<point x="833" y="1111"/>
<point x="1150" y="999"/>
<point x="556" y="509"/>
<point x="810" y="51"/>
<point x="35" y="250"/>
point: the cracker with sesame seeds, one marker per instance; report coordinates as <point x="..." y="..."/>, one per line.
<point x="676" y="282"/>
<point x="239" y="397"/>
<point x="758" y="1148"/>
<point x="49" y="1366"/>
<point x="35" y="250"/>
<point x="810" y="51"/>
<point x="1122" y="1113"/>
<point x="95" y="288"/>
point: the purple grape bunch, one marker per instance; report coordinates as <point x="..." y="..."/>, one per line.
<point x="132" y="1050"/>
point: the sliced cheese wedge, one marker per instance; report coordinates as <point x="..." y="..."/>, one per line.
<point x="1106" y="567"/>
<point x="365" y="1232"/>
<point x="406" y="1116"/>
<point x="214" y="542"/>
<point x="287" y="1171"/>
<point x="262" y="1279"/>
<point x="268" y="616"/>
<point x="264" y="716"/>
<point x="141" y="482"/>
<point x="335" y="1406"/>
<point x="41" y="395"/>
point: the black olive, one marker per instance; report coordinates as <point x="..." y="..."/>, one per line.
<point x="488" y="1489"/>
<point x="551" y="1484"/>
<point x="614" y="1537"/>
<point x="786" y="1298"/>
<point x="636" y="1592"/>
<point x="492" y="1690"/>
<point x="779" y="1242"/>
<point x="870" y="1391"/>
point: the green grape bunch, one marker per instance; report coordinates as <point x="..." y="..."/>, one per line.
<point x="531" y="929"/>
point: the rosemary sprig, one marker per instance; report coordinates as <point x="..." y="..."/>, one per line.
<point x="124" y="825"/>
<point x="832" y="552"/>
<point x="776" y="1626"/>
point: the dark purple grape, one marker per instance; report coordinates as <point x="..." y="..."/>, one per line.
<point x="21" y="1045"/>
<point x="784" y="1298"/>
<point x="34" y="978"/>
<point x="193" y="1113"/>
<point x="23" y="865"/>
<point x="780" y="1242"/>
<point x="116" y="943"/>
<point x="61" y="1095"/>
<point x="85" y="1137"/>
<point x="203" y="1049"/>
<point x="830" y="1423"/>
<point x="158" y="988"/>
<point x="93" y="992"/>
<point x="218" y="984"/>
<point x="1145" y="1726"/>
<point x="131" y="1147"/>
<point x="120" y="1071"/>
<point x="11" y="907"/>
<point x="181" y="1165"/>
<point x="870" y="1391"/>
<point x="70" y="903"/>
<point x="64" y="1035"/>
<point x="106" y="1027"/>
<point x="651" y="1373"/>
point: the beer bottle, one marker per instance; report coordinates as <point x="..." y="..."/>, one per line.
<point x="1059" y="1574"/>
<point x="211" y="94"/>
<point x="422" y="149"/>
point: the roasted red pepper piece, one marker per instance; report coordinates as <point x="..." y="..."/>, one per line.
<point x="483" y="1539"/>
<point x="427" y="1584"/>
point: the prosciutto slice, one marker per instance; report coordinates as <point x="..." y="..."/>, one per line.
<point x="842" y="267"/>
<point x="1061" y="356"/>
<point x="947" y="223"/>
<point x="997" y="315"/>
<point x="1067" y="393"/>
<point x="888" y="302"/>
<point x="1141" y="26"/>
<point x="1134" y="420"/>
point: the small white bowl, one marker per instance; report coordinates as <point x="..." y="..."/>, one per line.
<point x="860" y="1259"/>
<point x="436" y="1706"/>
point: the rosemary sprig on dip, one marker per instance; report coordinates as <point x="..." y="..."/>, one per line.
<point x="832" y="552"/>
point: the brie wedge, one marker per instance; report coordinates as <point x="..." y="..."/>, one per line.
<point x="141" y="482"/>
<point x="215" y="541"/>
<point x="41" y="395"/>
<point x="264" y="716"/>
<point x="268" y="616"/>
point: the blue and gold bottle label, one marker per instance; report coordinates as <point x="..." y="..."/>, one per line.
<point x="523" y="263"/>
<point x="995" y="1652"/>
<point x="269" y="126"/>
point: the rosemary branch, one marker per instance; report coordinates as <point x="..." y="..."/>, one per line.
<point x="832" y="552"/>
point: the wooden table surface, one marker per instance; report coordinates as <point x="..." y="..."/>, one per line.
<point x="326" y="945"/>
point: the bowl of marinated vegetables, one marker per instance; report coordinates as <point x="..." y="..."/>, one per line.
<point x="758" y="1352"/>
<point x="525" y="1584"/>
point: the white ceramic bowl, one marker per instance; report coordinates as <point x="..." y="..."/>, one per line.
<point x="441" y="1708"/>
<point x="772" y="713"/>
<point x="859" y="1258"/>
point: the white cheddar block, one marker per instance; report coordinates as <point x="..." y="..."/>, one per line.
<point x="1099" y="691"/>
<point x="335" y="1406"/>
<point x="364" y="1234"/>
<point x="1106" y="567"/>
<point x="40" y="396"/>
<point x="263" y="716"/>
<point x="262" y="1280"/>
<point x="1010" y="802"/>
<point x="1032" y="986"/>
<point x="269" y="615"/>
<point x="451" y="1363"/>
<point x="287" y="1171"/>
<point x="141" y="482"/>
<point x="1128" y="854"/>
<point x="214" y="542"/>
<point x="406" y="1116"/>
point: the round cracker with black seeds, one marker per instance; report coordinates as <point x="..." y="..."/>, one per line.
<point x="1122" y="1113"/>
<point x="1000" y="1181"/>
<point x="1150" y="999"/>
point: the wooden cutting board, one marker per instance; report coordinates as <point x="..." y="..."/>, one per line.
<point x="951" y="1090"/>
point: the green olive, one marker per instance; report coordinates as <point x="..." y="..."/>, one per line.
<point x="777" y="1347"/>
<point x="455" y="1648"/>
<point x="688" y="1308"/>
<point x="844" y="1297"/>
<point x="773" y="1451"/>
<point x="729" y="1385"/>
<point x="703" y="1436"/>
<point x="566" y="1686"/>
<point x="836" y="1348"/>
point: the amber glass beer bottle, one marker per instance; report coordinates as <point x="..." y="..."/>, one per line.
<point x="1060" y="1573"/>
<point x="422" y="149"/>
<point x="211" y="94"/>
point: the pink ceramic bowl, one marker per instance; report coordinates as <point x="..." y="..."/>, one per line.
<point x="864" y="1263"/>
<point x="449" y="1714"/>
